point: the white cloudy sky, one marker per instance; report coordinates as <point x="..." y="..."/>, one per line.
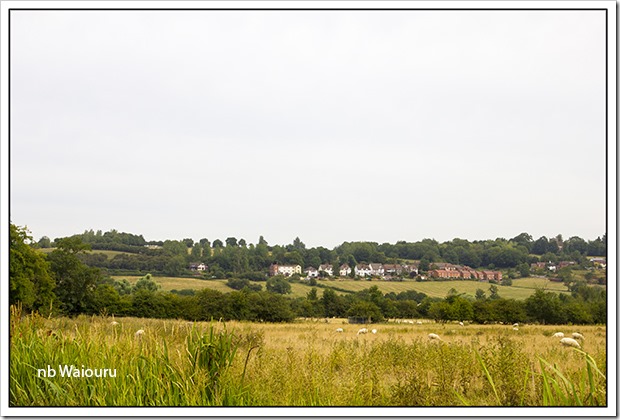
<point x="328" y="125"/>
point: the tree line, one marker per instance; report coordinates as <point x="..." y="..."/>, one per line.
<point x="61" y="283"/>
<point x="237" y="258"/>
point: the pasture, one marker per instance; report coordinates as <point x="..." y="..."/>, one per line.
<point x="520" y="289"/>
<point x="305" y="363"/>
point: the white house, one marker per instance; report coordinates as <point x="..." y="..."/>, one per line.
<point x="327" y="268"/>
<point x="411" y="269"/>
<point x="362" y="270"/>
<point x="312" y="272"/>
<point x="287" y="270"/>
<point x="197" y="267"/>
<point x="376" y="269"/>
<point x="345" y="270"/>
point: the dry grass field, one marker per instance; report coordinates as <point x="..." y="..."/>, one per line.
<point x="305" y="363"/>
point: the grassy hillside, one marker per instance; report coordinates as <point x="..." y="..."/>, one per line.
<point x="107" y="253"/>
<point x="521" y="288"/>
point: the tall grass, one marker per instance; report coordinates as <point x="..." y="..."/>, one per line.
<point x="176" y="363"/>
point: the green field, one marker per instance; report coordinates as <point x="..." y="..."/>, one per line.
<point x="521" y="288"/>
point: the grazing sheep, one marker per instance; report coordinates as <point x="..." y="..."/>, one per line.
<point x="558" y="335"/>
<point x="515" y="325"/>
<point x="461" y="324"/>
<point x="432" y="336"/>
<point x="113" y="323"/>
<point x="419" y="322"/>
<point x="139" y="334"/>
<point x="373" y="331"/>
<point x="570" y="342"/>
<point x="362" y="331"/>
<point x="578" y="336"/>
<point x="339" y="330"/>
<point x="515" y="328"/>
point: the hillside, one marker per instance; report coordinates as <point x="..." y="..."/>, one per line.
<point x="521" y="288"/>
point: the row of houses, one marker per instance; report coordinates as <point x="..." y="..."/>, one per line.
<point x="453" y="271"/>
<point x="551" y="266"/>
<point x="362" y="270"/>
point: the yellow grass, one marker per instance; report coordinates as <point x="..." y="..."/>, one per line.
<point x="301" y="363"/>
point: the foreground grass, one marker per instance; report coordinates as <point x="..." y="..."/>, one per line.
<point x="177" y="363"/>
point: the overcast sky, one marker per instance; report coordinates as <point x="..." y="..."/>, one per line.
<point x="330" y="126"/>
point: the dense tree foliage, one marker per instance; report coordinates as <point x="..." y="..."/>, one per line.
<point x="239" y="259"/>
<point x="69" y="279"/>
<point x="30" y="279"/>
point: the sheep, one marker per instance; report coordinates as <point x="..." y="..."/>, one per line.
<point x="374" y="331"/>
<point x="578" y="336"/>
<point x="461" y="324"/>
<point x="339" y="330"/>
<point x="515" y="325"/>
<point x="139" y="334"/>
<point x="515" y="328"/>
<point x="432" y="336"/>
<point x="570" y="342"/>
<point x="113" y="323"/>
<point x="362" y="331"/>
<point x="558" y="335"/>
<point x="419" y="322"/>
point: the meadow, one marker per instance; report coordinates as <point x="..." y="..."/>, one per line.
<point x="520" y="289"/>
<point x="306" y="363"/>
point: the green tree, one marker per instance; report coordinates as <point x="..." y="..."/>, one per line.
<point x="332" y="304"/>
<point x="30" y="279"/>
<point x="175" y="248"/>
<point x="278" y="284"/>
<point x="493" y="292"/>
<point x="424" y="265"/>
<point x="75" y="281"/>
<point x="146" y="283"/>
<point x="462" y="309"/>
<point x="365" y="309"/>
<point x="123" y="287"/>
<point x="174" y="266"/>
<point x="107" y="300"/>
<point x="545" y="307"/>
<point x="269" y="307"/>
<point x="441" y="311"/>
<point x="44" y="242"/>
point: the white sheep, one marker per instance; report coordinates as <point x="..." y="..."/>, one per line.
<point x="515" y="325"/>
<point x="419" y="322"/>
<point x="432" y="336"/>
<point x="374" y="331"/>
<point x="362" y="331"/>
<point x="558" y="335"/>
<point x="113" y="323"/>
<point x="515" y="328"/>
<point x="139" y="334"/>
<point x="570" y="342"/>
<point x="461" y="324"/>
<point x="578" y="336"/>
<point x="339" y="330"/>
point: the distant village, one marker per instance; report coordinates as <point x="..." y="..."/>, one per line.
<point x="388" y="271"/>
<point x="438" y="270"/>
